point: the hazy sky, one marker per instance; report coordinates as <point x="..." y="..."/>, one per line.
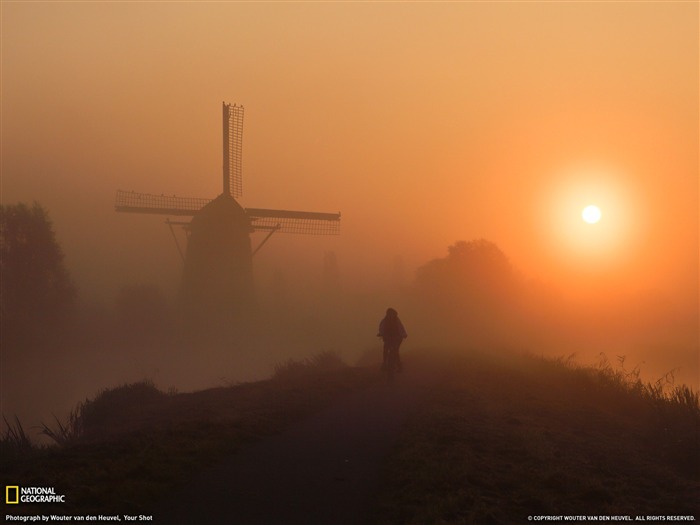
<point x="423" y="123"/>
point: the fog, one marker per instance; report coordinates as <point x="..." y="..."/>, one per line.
<point x="423" y="124"/>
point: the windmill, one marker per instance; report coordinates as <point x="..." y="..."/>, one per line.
<point x="218" y="269"/>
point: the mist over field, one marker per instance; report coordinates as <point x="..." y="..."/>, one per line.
<point x="459" y="142"/>
<point x="476" y="302"/>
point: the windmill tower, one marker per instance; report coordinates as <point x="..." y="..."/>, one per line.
<point x="218" y="262"/>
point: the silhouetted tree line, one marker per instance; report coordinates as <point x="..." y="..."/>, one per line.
<point x="37" y="295"/>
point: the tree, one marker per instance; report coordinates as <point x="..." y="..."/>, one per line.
<point x="473" y="289"/>
<point x="474" y="268"/>
<point x="36" y="291"/>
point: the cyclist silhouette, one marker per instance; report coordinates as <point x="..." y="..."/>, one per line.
<point x="392" y="331"/>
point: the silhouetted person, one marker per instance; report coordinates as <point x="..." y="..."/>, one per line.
<point x="393" y="333"/>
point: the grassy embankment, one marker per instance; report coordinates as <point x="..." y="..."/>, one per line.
<point x="504" y="438"/>
<point x="123" y="450"/>
<point x="494" y="440"/>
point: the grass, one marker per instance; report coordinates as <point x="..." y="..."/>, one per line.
<point x="295" y="369"/>
<point x="495" y="438"/>
<point x="14" y="441"/>
<point x="502" y="439"/>
<point x="123" y="450"/>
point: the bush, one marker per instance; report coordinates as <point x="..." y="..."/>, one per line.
<point x="113" y="407"/>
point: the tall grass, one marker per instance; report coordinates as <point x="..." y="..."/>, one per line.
<point x="64" y="433"/>
<point x="663" y="393"/>
<point x="110" y="408"/>
<point x="671" y="412"/>
<point x="294" y="369"/>
<point x="14" y="441"/>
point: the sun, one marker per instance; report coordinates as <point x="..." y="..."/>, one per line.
<point x="591" y="214"/>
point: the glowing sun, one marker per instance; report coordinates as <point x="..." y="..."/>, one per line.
<point x="591" y="214"/>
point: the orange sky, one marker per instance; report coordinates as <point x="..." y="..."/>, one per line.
<point x="422" y="123"/>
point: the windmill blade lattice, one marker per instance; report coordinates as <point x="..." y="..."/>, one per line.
<point x="233" y="149"/>
<point x="130" y="201"/>
<point x="304" y="222"/>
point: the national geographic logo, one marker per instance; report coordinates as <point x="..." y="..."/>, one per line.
<point x="14" y="494"/>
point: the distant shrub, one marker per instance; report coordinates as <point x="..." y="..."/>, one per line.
<point x="319" y="363"/>
<point x="114" y="406"/>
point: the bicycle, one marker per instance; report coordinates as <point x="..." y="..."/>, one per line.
<point x="392" y="363"/>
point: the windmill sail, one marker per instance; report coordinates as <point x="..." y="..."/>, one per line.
<point x="233" y="149"/>
<point x="284" y="221"/>
<point x="130" y="201"/>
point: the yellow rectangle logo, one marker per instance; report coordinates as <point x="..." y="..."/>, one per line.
<point x="12" y="494"/>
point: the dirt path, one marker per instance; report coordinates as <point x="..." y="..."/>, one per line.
<point x="323" y="470"/>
